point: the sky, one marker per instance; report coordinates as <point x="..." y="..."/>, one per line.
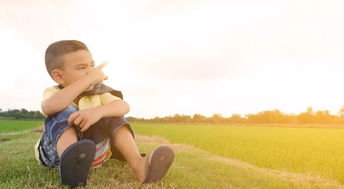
<point x="184" y="56"/>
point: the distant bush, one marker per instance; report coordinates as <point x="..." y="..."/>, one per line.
<point x="22" y="114"/>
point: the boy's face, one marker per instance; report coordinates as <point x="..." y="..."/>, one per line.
<point x="76" y="66"/>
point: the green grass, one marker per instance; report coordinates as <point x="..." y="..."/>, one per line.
<point x="17" y="125"/>
<point x="192" y="168"/>
<point x="317" y="151"/>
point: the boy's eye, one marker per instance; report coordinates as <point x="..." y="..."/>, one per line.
<point x="82" y="68"/>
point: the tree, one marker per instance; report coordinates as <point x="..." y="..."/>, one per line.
<point x="236" y="118"/>
<point x="307" y="117"/>
<point x="216" y="118"/>
<point x="198" y="118"/>
<point x="341" y="111"/>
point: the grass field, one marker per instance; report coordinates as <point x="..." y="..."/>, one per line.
<point x="239" y="164"/>
<point x="15" y="125"/>
<point x="317" y="151"/>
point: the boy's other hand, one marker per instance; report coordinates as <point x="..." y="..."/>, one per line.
<point x="96" y="74"/>
<point x="84" y="118"/>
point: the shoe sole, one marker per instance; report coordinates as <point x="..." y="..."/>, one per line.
<point x="75" y="163"/>
<point x="160" y="163"/>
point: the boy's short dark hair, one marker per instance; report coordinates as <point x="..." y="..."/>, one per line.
<point x="57" y="49"/>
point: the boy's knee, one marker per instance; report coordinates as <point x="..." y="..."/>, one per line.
<point x="115" y="121"/>
<point x="56" y="123"/>
<point x="68" y="111"/>
<point x="64" y="114"/>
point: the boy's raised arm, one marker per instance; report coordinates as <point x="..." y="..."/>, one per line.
<point x="65" y="96"/>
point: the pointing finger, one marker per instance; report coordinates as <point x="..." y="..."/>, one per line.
<point x="101" y="66"/>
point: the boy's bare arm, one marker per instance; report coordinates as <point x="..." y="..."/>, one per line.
<point x="115" y="108"/>
<point x="65" y="96"/>
<point x="85" y="118"/>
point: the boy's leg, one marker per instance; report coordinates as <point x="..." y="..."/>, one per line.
<point x="125" y="143"/>
<point x="61" y="148"/>
<point x="57" y="137"/>
<point x="147" y="169"/>
<point x="67" y="138"/>
<point x="60" y="133"/>
<point x="151" y="168"/>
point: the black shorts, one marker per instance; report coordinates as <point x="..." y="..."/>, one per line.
<point x="105" y="128"/>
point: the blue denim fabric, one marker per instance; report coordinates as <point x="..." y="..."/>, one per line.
<point x="55" y="125"/>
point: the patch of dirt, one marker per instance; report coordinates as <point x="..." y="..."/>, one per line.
<point x="39" y="129"/>
<point x="151" y="139"/>
<point x="2" y="139"/>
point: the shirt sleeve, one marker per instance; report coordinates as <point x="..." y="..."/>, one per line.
<point x="49" y="92"/>
<point x="107" y="98"/>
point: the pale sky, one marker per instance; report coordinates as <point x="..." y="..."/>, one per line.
<point x="184" y="56"/>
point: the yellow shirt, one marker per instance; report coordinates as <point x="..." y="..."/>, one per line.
<point x="86" y="101"/>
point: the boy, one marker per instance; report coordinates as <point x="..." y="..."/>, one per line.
<point x="85" y="122"/>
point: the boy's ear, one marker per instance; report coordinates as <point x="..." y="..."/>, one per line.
<point x="57" y="76"/>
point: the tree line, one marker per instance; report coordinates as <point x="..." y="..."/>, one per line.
<point x="265" y="117"/>
<point x="21" y="114"/>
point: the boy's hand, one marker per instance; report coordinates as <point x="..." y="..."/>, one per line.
<point x="96" y="74"/>
<point x="84" y="118"/>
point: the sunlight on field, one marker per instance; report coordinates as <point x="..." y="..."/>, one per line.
<point x="303" y="150"/>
